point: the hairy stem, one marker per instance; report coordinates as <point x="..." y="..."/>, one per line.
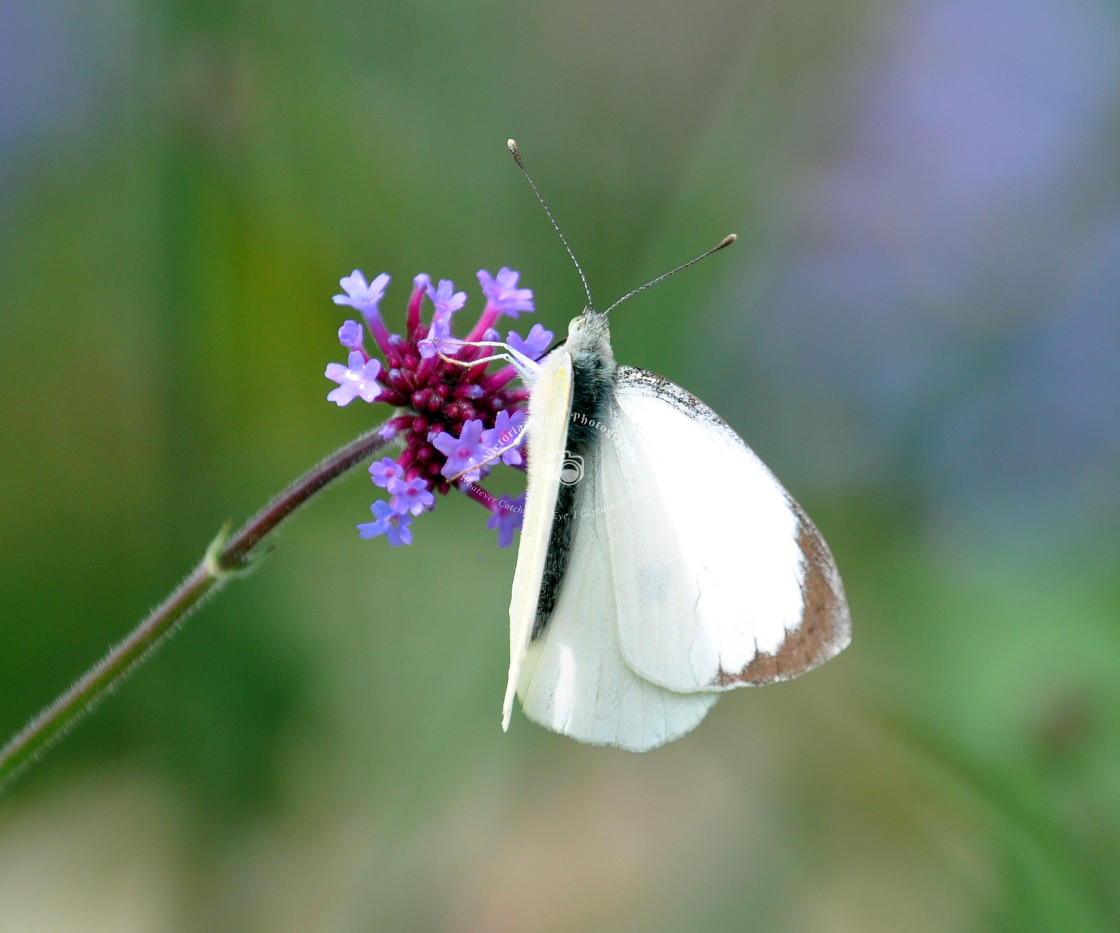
<point x="227" y="556"/>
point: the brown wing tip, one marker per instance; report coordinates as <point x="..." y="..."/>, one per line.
<point x="826" y="624"/>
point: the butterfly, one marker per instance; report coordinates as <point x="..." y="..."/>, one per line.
<point x="660" y="563"/>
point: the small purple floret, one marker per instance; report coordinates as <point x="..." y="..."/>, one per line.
<point x="361" y="296"/>
<point x="532" y="346"/>
<point x="358" y="377"/>
<point x="388" y="522"/>
<point x="350" y="335"/>
<point x="412" y="496"/>
<point x="503" y="293"/>
<point x="447" y="301"/>
<point x="507" y="516"/>
<point x="440" y="333"/>
<point x="385" y="471"/>
<point x="464" y="453"/>
<point x="505" y="437"/>
<point x="445" y="298"/>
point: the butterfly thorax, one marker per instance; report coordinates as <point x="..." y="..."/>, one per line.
<point x="593" y="376"/>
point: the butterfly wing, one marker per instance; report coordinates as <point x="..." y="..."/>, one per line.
<point x="574" y="679"/>
<point x="720" y="578"/>
<point x="545" y="432"/>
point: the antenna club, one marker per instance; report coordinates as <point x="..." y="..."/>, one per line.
<point x="726" y="241"/>
<point x="511" y="145"/>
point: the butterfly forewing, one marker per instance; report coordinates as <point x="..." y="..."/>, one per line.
<point x="545" y="431"/>
<point x="826" y="627"/>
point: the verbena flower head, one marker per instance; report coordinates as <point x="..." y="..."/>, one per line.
<point x="455" y="418"/>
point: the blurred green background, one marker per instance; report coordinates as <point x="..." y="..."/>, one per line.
<point x="917" y="331"/>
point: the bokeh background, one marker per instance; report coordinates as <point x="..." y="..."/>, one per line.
<point x="918" y="331"/>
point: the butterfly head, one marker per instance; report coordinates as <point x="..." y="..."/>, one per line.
<point x="590" y="332"/>
<point x="589" y="341"/>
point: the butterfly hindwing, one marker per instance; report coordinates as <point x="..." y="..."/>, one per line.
<point x="574" y="679"/>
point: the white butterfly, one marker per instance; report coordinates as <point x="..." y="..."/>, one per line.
<point x="660" y="563"/>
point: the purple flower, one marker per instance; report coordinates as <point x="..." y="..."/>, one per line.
<point x="388" y="522"/>
<point x="440" y="333"/>
<point x="350" y="335"/>
<point x="447" y="301"/>
<point x="503" y="293"/>
<point x="532" y="346"/>
<point x="445" y="298"/>
<point x="452" y="420"/>
<point x="358" y="377"/>
<point x="507" y="516"/>
<point x="360" y="296"/>
<point x="412" y="496"/>
<point x="385" y="471"/>
<point x="505" y="437"/>
<point x="464" y="453"/>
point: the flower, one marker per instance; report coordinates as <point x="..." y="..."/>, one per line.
<point x="507" y="516"/>
<point x="443" y="298"/>
<point x="455" y="418"/>
<point x="359" y="295"/>
<point x="447" y="301"/>
<point x="350" y="335"/>
<point x="390" y="523"/>
<point x="439" y="335"/>
<point x="465" y="453"/>
<point x="504" y="438"/>
<point x="357" y="377"/>
<point x="502" y="292"/>
<point x="532" y="346"/>
<point x="412" y="496"/>
<point x="385" y="471"/>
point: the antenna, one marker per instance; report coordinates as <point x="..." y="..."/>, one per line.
<point x="726" y="241"/>
<point x="516" y="153"/>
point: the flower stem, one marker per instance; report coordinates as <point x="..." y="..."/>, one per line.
<point x="225" y="557"/>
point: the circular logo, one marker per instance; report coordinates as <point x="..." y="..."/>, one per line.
<point x="570" y="469"/>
